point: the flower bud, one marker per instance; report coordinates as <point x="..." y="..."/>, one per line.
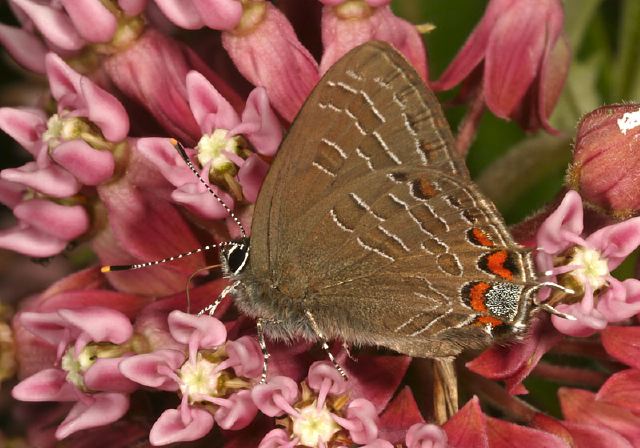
<point x="605" y="169"/>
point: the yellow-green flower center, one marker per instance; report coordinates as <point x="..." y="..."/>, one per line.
<point x="592" y="267"/>
<point x="353" y="9"/>
<point x="210" y="150"/>
<point x="199" y="378"/>
<point x="76" y="366"/>
<point x="314" y="425"/>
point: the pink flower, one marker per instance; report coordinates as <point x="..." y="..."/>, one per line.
<point x="347" y="24"/>
<point x="525" y="56"/>
<point x="198" y="377"/>
<point x="584" y="265"/>
<point x="71" y="148"/>
<point x="220" y="150"/>
<point x="90" y="344"/>
<point x="607" y="138"/>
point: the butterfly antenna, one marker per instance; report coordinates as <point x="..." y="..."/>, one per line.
<point x="176" y="144"/>
<point x="146" y="264"/>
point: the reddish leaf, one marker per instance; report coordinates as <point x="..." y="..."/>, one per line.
<point x="468" y="428"/>
<point x="623" y="343"/>
<point x="399" y="416"/>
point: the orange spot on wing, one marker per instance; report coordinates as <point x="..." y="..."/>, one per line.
<point x="481" y="237"/>
<point x="495" y="264"/>
<point x="477" y="296"/>
<point x="493" y="321"/>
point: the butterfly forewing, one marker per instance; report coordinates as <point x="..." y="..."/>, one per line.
<point x="369" y="221"/>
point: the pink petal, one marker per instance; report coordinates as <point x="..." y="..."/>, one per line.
<point x="623" y="343"/>
<point x="24" y="47"/>
<point x="50" y="327"/>
<point x="46" y="385"/>
<point x="251" y="175"/>
<point x="210" y="109"/>
<point x="25" y="126"/>
<point x="513" y="57"/>
<point x="53" y="180"/>
<point x="90" y="166"/>
<point x="166" y="159"/>
<point x="203" y="203"/>
<point x="378" y="443"/>
<point x="580" y="406"/>
<point x="132" y="7"/>
<point x="503" y="434"/>
<point x="171" y="428"/>
<point x="78" y="92"/>
<point x="362" y="413"/>
<point x="239" y="414"/>
<point x="264" y="395"/>
<point x="245" y="356"/>
<point x="260" y="124"/>
<point x="11" y="194"/>
<point x="276" y="438"/>
<point x="181" y="13"/>
<point x="426" y="435"/>
<point x="341" y="34"/>
<point x="54" y="25"/>
<point x="401" y="414"/>
<point x="219" y="14"/>
<point x="31" y="242"/>
<point x="617" y="241"/>
<point x="565" y="221"/>
<point x="586" y="323"/>
<point x="622" y="389"/>
<point x="615" y="308"/>
<point x="103" y="409"/>
<point x="514" y="363"/>
<point x="474" y="48"/>
<point x="595" y="436"/>
<point x="271" y="56"/>
<point x="152" y="72"/>
<point x="204" y="331"/>
<point x="105" y="376"/>
<point x="92" y="19"/>
<point x="60" y="221"/>
<point x="99" y="324"/>
<point x="468" y="427"/>
<point x="376" y="378"/>
<point x="149" y="229"/>
<point x="147" y="369"/>
<point x="323" y="374"/>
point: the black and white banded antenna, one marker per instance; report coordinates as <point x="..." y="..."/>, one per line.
<point x="176" y="144"/>
<point x="146" y="264"/>
<point x="128" y="267"/>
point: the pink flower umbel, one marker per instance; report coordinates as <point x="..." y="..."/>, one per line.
<point x="90" y="344"/>
<point x="520" y="56"/>
<point x="585" y="264"/>
<point x="211" y="378"/>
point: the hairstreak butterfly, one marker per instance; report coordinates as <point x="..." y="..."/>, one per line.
<point x="368" y="228"/>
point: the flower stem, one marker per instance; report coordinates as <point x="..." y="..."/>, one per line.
<point x="569" y="375"/>
<point x="469" y="126"/>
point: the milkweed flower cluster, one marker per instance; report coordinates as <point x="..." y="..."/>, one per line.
<point x="227" y="78"/>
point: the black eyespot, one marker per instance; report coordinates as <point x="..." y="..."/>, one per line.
<point x="236" y="257"/>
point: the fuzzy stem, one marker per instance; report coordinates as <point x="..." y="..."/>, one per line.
<point x="494" y="394"/>
<point x="569" y="375"/>
<point x="469" y="126"/>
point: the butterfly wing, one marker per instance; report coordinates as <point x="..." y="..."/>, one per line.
<point x="367" y="218"/>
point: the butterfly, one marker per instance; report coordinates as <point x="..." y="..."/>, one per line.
<point x="369" y="230"/>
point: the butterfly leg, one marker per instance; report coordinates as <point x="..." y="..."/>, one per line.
<point x="325" y="344"/>
<point x="211" y="308"/>
<point x="263" y="348"/>
<point x="445" y="389"/>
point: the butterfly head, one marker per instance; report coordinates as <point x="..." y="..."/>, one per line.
<point x="234" y="256"/>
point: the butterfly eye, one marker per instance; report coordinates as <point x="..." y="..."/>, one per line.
<point x="236" y="257"/>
